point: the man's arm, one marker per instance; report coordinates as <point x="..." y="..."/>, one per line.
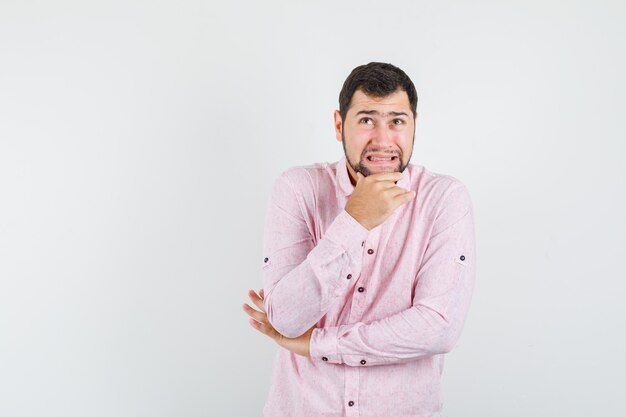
<point x="440" y="304"/>
<point x="301" y="280"/>
<point x="258" y="320"/>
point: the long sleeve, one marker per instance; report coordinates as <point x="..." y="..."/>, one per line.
<point x="433" y="324"/>
<point x="301" y="279"/>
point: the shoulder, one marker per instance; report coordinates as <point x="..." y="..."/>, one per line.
<point x="298" y="189"/>
<point x="444" y="196"/>
<point x="437" y="186"/>
<point x="307" y="177"/>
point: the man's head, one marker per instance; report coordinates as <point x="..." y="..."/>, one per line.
<point x="376" y="119"/>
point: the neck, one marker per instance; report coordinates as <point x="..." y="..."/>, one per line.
<point x="351" y="174"/>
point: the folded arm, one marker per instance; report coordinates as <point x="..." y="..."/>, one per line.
<point x="432" y="325"/>
<point x="302" y="281"/>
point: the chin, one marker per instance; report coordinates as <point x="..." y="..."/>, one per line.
<point x="368" y="169"/>
<point x="385" y="169"/>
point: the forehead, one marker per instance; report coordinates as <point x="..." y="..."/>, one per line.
<point x="396" y="101"/>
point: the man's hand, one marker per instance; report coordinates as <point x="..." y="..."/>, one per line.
<point x="299" y="345"/>
<point x="375" y="197"/>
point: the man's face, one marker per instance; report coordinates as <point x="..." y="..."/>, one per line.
<point x="378" y="133"/>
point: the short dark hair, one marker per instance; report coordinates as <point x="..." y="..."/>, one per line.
<point x="379" y="80"/>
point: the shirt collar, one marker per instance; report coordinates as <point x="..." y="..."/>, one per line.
<point x="346" y="188"/>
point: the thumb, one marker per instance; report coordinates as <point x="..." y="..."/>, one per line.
<point x="359" y="177"/>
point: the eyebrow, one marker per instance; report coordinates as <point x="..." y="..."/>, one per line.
<point x="376" y="112"/>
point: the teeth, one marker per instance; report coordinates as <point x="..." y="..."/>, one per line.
<point x="373" y="158"/>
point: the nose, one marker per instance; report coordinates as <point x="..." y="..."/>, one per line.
<point x="383" y="136"/>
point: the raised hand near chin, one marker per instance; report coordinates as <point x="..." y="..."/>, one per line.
<point x="375" y="197"/>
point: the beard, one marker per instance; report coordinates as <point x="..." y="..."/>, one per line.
<point x="363" y="169"/>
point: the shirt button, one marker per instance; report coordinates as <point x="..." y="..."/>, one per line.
<point x="324" y="358"/>
<point x="350" y="403"/>
<point x="349" y="276"/>
<point x="361" y="289"/>
<point x="370" y="251"/>
<point x="363" y="362"/>
<point x="266" y="259"/>
<point x="462" y="257"/>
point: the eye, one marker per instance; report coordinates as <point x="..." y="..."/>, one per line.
<point x="366" y="120"/>
<point x="398" y="122"/>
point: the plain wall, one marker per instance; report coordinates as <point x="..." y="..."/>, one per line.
<point x="139" y="141"/>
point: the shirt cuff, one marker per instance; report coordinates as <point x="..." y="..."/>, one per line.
<point x="323" y="345"/>
<point x="345" y="231"/>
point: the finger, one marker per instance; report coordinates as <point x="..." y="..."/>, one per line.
<point x="255" y="324"/>
<point x="404" y="197"/>
<point x="386" y="185"/>
<point x="258" y="301"/>
<point x="359" y="177"/>
<point x="266" y="329"/>
<point x="257" y="315"/>
<point x="258" y="326"/>
<point x="386" y="176"/>
<point x="388" y="190"/>
<point x="394" y="191"/>
<point x="262" y="293"/>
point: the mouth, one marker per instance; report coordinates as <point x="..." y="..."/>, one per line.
<point x="380" y="160"/>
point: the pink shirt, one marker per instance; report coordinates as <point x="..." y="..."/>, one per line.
<point x="386" y="303"/>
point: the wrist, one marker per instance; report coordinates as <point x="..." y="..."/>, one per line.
<point x="359" y="219"/>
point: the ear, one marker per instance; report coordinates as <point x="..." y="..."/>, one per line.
<point x="338" y="125"/>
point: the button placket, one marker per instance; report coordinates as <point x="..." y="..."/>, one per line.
<point x="359" y="305"/>
<point x="358" y="299"/>
<point x="358" y="302"/>
<point x="351" y="391"/>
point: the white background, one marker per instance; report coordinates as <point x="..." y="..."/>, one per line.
<point x="139" y="141"/>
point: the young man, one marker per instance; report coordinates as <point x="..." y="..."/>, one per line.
<point x="369" y="265"/>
